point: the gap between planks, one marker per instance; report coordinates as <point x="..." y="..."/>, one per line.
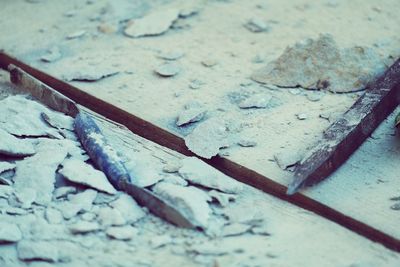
<point x="164" y="138"/>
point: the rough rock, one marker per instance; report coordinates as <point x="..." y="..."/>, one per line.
<point x="37" y="250"/>
<point x="256" y="101"/>
<point x="51" y="55"/>
<point x="191" y="201"/>
<point x="191" y="113"/>
<point x="167" y="70"/>
<point x="9" y="232"/>
<point x="321" y="64"/>
<point x="110" y="217"/>
<point x="83" y="227"/>
<point x="208" y="137"/>
<point x="122" y="233"/>
<point x="12" y="146"/>
<point x="196" y="171"/>
<point x="155" y="23"/>
<point x="256" y="25"/>
<point x="81" y="172"/>
<point x="128" y="208"/>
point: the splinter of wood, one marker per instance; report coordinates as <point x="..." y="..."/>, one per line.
<point x="346" y="134"/>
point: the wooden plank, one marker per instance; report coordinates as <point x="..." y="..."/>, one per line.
<point x="143" y="90"/>
<point x="281" y="245"/>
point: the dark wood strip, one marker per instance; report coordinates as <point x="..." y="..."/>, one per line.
<point x="240" y="173"/>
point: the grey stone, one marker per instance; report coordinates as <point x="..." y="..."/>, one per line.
<point x="167" y="70"/>
<point x="12" y="146"/>
<point x="208" y="137"/>
<point x="196" y="171"/>
<point x="9" y="232"/>
<point x="122" y="233"/>
<point x="37" y="250"/>
<point x="191" y="201"/>
<point x="321" y="64"/>
<point x="155" y="23"/>
<point x="81" y="172"/>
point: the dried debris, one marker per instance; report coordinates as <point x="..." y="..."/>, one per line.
<point x="37" y="250"/>
<point x="286" y="159"/>
<point x="256" y="101"/>
<point x="76" y="35"/>
<point x="195" y="171"/>
<point x="83" y="227"/>
<point x="122" y="232"/>
<point x="80" y="172"/>
<point x="12" y="146"/>
<point x="89" y="73"/>
<point x="155" y="23"/>
<point x="167" y="70"/>
<point x="51" y="55"/>
<point x="208" y="137"/>
<point x="9" y="232"/>
<point x="321" y="64"/>
<point x="190" y="200"/>
<point x="128" y="208"/>
<point x="171" y="55"/>
<point x="192" y="112"/>
<point x="256" y="25"/>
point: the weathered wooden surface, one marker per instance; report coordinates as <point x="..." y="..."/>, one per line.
<point x="362" y="198"/>
<point x="290" y="233"/>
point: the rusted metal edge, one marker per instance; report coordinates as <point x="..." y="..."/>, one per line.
<point x="343" y="137"/>
<point x="171" y="141"/>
